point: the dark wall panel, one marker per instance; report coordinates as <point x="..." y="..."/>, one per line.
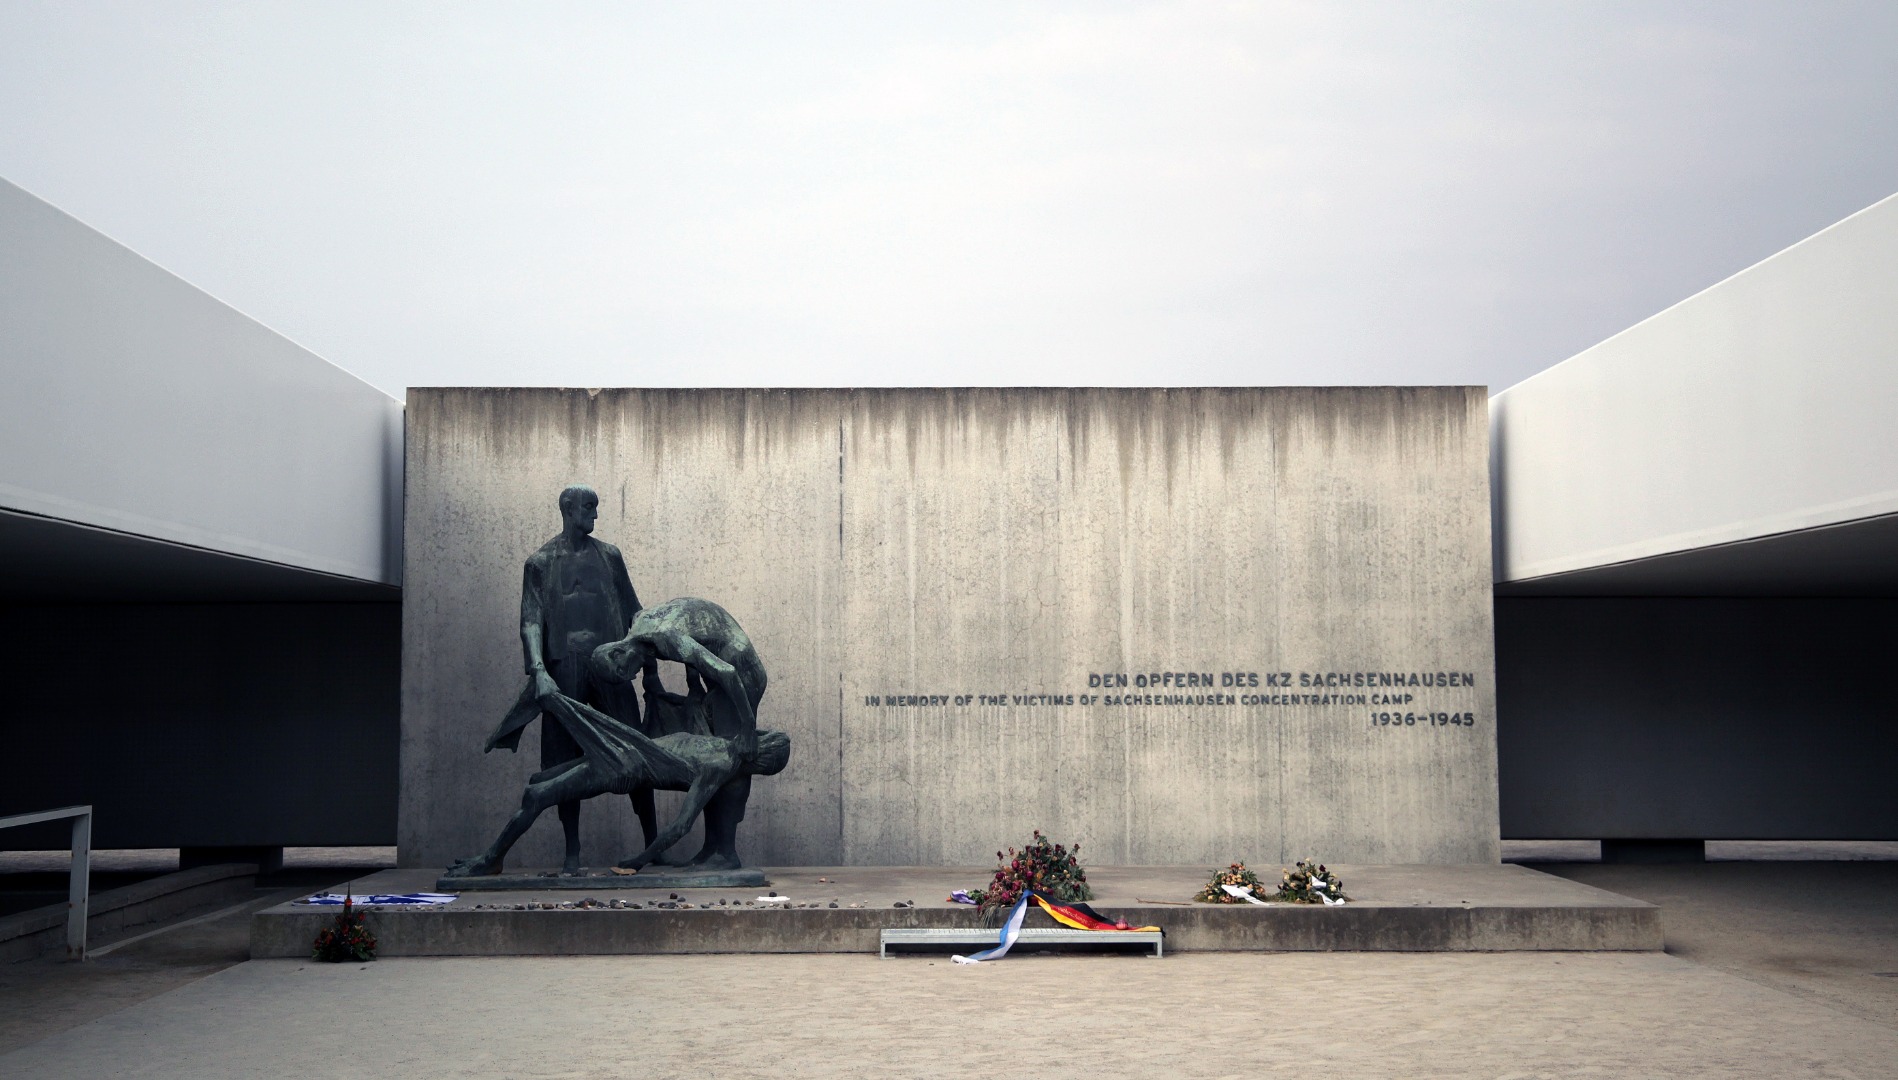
<point x="203" y="724"/>
<point x="1652" y="718"/>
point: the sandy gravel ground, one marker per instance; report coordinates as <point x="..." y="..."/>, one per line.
<point x="1207" y="1015"/>
<point x="1826" y="931"/>
<point x="41" y="997"/>
<point x="1772" y="970"/>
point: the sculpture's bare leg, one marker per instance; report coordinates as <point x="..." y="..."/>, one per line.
<point x="723" y="812"/>
<point x="695" y="799"/>
<point x="569" y="811"/>
<point x="648" y="816"/>
<point x="681" y="712"/>
<point x="732" y="716"/>
<point x="570" y="784"/>
<point x="644" y="810"/>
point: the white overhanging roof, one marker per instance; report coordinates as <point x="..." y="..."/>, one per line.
<point x="138" y="404"/>
<point x="1761" y="407"/>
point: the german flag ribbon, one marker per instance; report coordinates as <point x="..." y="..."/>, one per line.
<point x="1081" y="917"/>
<point x="1077" y="916"/>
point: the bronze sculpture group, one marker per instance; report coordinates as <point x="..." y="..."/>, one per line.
<point x="584" y="637"/>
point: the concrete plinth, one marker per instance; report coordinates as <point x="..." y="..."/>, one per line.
<point x="1395" y="909"/>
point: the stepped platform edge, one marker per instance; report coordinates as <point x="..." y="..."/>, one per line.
<point x="1472" y="908"/>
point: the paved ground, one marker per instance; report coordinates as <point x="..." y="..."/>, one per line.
<point x="43" y="997"/>
<point x="1210" y="1015"/>
<point x="1772" y="973"/>
<point x="1824" y="931"/>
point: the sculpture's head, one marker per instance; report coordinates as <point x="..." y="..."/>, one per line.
<point x="619" y="661"/>
<point x="579" y="507"/>
<point x="774" y="753"/>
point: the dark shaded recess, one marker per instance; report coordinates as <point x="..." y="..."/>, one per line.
<point x="202" y="725"/>
<point x="1853" y="559"/>
<point x="1653" y="852"/>
<point x="26" y="891"/>
<point x="1735" y="718"/>
<point x="46" y="560"/>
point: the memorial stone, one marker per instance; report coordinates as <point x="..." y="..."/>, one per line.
<point x="1179" y="626"/>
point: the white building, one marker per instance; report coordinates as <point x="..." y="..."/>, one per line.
<point x="200" y="554"/>
<point x="1696" y="536"/>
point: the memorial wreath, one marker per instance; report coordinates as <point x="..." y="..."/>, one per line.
<point x="1308" y="882"/>
<point x="346" y="939"/>
<point x="1044" y="867"/>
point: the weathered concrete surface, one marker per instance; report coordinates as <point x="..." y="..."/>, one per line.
<point x="976" y="549"/>
<point x="857" y="1017"/>
<point x="111" y="912"/>
<point x="1394" y="909"/>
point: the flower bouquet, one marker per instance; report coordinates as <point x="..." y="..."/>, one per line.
<point x="345" y="940"/>
<point x="1234" y="874"/>
<point x="1310" y="883"/>
<point x="1050" y="869"/>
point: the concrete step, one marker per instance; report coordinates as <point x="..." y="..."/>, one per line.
<point x="1482" y="908"/>
<point x="114" y="912"/>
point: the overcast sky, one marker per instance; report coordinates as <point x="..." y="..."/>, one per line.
<point x="893" y="194"/>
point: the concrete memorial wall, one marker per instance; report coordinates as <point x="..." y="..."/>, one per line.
<point x="1177" y="626"/>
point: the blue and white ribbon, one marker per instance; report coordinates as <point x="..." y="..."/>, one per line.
<point x="1010" y="931"/>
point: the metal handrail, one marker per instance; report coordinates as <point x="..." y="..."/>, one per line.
<point x="78" y="884"/>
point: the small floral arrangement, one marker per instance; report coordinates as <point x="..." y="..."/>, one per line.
<point x="1310" y="883"/>
<point x="1234" y="874"/>
<point x="345" y="940"/>
<point x="1048" y="868"/>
